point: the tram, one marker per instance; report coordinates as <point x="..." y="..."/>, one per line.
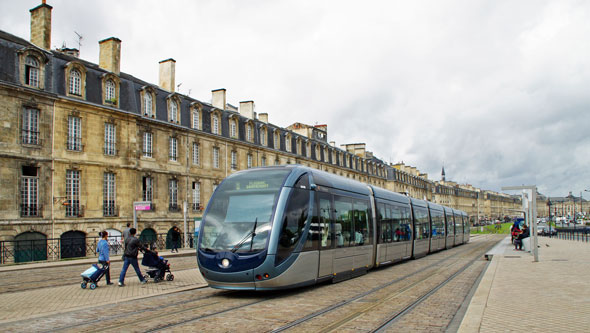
<point x="291" y="226"/>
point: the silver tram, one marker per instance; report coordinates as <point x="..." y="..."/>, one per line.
<point x="291" y="226"/>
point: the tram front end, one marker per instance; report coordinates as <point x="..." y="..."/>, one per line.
<point x="253" y="230"/>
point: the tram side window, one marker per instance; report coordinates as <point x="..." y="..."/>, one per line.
<point x="384" y="222"/>
<point x="438" y="226"/>
<point x="325" y="222"/>
<point x="399" y="233"/>
<point x="343" y="221"/>
<point x="421" y="222"/>
<point x="450" y="225"/>
<point x="293" y="223"/>
<point x="362" y="228"/>
<point x="406" y="224"/>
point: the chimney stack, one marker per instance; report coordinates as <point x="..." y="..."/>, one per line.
<point x="263" y="117"/>
<point x="247" y="109"/>
<point x="41" y="26"/>
<point x="218" y="98"/>
<point x="110" y="55"/>
<point x="167" y="73"/>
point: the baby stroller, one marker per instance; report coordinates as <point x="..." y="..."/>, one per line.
<point x="92" y="275"/>
<point x="158" y="266"/>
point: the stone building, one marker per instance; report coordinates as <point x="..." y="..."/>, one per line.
<point x="81" y="142"/>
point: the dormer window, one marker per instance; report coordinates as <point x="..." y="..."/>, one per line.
<point x="215" y="124"/>
<point x="147" y="106"/>
<point x="75" y="82"/>
<point x="263" y="136"/>
<point x="173" y="111"/>
<point x="147" y="102"/>
<point x="32" y="71"/>
<point x="196" y="116"/>
<point x="233" y="129"/>
<point x="110" y="92"/>
<point x="110" y="84"/>
<point x="249" y="132"/>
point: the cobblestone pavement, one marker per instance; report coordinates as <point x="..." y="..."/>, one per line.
<point x="45" y="277"/>
<point x="178" y="306"/>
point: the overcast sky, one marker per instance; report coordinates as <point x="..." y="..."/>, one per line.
<point x="496" y="91"/>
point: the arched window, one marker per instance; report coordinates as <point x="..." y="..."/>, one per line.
<point x="73" y="244"/>
<point x="232" y="129"/>
<point x="215" y="126"/>
<point x="110" y="92"/>
<point x="75" y="82"/>
<point x="263" y="136"/>
<point x="196" y="119"/>
<point x="32" y="71"/>
<point x="147" y="104"/>
<point x="173" y="111"/>
<point x="30" y="246"/>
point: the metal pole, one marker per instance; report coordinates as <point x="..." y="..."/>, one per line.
<point x="185" y="209"/>
<point x="134" y="218"/>
<point x="534" y="224"/>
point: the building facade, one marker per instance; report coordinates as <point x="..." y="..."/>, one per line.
<point x="80" y="143"/>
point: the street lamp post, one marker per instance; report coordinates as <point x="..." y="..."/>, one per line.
<point x="549" y="206"/>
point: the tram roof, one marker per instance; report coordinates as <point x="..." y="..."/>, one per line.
<point x="326" y="179"/>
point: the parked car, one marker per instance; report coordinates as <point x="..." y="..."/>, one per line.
<point x="544" y="230"/>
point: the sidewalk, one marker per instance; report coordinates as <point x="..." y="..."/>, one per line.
<point x="519" y="295"/>
<point x="87" y="261"/>
<point x="24" y="305"/>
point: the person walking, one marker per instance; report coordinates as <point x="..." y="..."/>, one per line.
<point x="132" y="248"/>
<point x="103" y="255"/>
<point x="175" y="238"/>
<point x="126" y="232"/>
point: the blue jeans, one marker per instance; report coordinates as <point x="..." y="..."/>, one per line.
<point x="133" y="262"/>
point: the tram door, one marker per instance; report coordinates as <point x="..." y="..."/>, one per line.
<point x="325" y="209"/>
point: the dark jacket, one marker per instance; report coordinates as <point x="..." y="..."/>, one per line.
<point x="132" y="247"/>
<point x="174" y="235"/>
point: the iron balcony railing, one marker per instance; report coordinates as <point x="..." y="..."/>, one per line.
<point x="53" y="249"/>
<point x="31" y="210"/>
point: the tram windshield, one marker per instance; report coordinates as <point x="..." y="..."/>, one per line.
<point x="241" y="211"/>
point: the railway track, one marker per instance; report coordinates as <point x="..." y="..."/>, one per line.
<point x="377" y="301"/>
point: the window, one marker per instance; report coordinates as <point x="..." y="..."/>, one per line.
<point x="109" y="139"/>
<point x="172" y="151"/>
<point x="277" y="140"/>
<point x="343" y="226"/>
<point x="72" y="193"/>
<point x="263" y="136"/>
<point x="308" y="149"/>
<point x="108" y="194"/>
<point x="196" y="196"/>
<point x="110" y="92"/>
<point x="196" y="160"/>
<point x="148" y="104"/>
<point x="196" y="119"/>
<point x="32" y="71"/>
<point x="215" y="126"/>
<point x="298" y="146"/>
<point x="277" y="161"/>
<point x="248" y="133"/>
<point x="147" y="144"/>
<point x="29" y="192"/>
<point x="234" y="160"/>
<point x="75" y="82"/>
<point x="30" y="127"/>
<point x="293" y="223"/>
<point x="249" y="161"/>
<point x="173" y="111"/>
<point x="173" y="195"/>
<point x="232" y="129"/>
<point x="216" y="158"/>
<point x="147" y="188"/>
<point x="74" y="133"/>
<point x="288" y="143"/>
<point x="263" y="161"/>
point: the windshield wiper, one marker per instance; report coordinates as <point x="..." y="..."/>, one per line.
<point x="241" y="242"/>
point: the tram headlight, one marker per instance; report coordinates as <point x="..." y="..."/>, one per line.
<point x="225" y="263"/>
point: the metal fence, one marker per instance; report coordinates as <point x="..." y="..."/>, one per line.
<point x="581" y="234"/>
<point x="53" y="249"/>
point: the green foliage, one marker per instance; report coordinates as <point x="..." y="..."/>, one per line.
<point x="492" y="229"/>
